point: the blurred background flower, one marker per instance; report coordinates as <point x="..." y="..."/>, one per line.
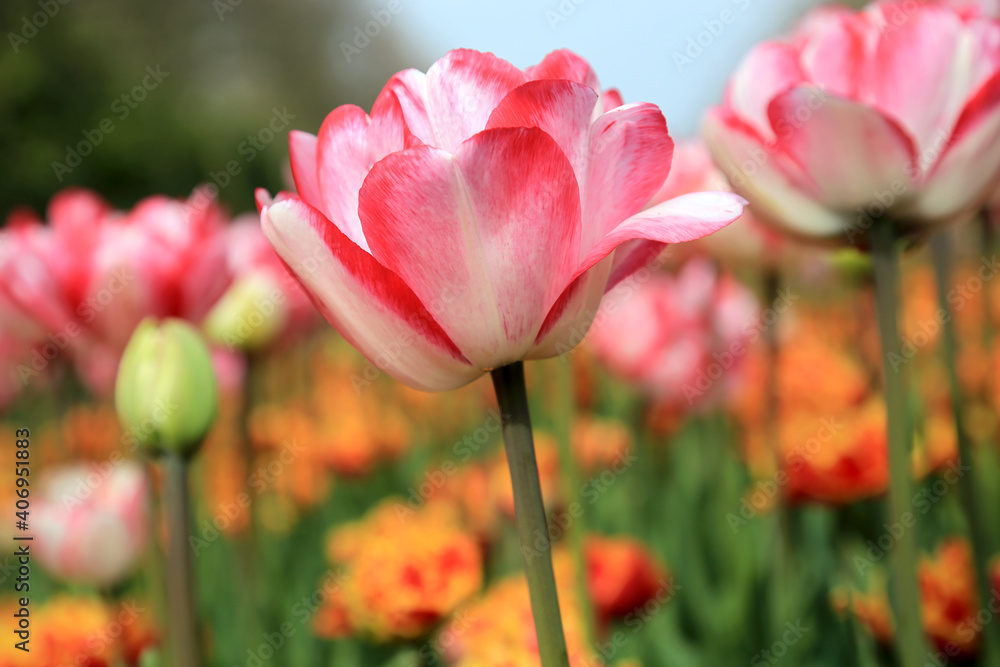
<point x="91" y="521"/>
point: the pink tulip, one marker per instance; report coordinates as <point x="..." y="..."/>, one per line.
<point x="90" y="522"/>
<point x="471" y="220"/>
<point x="79" y="285"/>
<point x="891" y="112"/>
<point x="990" y="8"/>
<point x="682" y="339"/>
<point x="746" y="242"/>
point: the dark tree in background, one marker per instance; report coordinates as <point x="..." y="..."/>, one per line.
<point x="163" y="96"/>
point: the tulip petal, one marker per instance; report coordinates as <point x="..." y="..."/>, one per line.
<point x="676" y="220"/>
<point x="564" y="64"/>
<point x="631" y="256"/>
<point x="683" y="218"/>
<point x="410" y="89"/>
<point x="931" y="41"/>
<point x="844" y="153"/>
<point x="562" y="109"/>
<point x="611" y="99"/>
<point x="349" y="144"/>
<point x="368" y="304"/>
<point x="767" y="71"/>
<point x="834" y="56"/>
<point x="970" y="165"/>
<point x="388" y="131"/>
<point x="303" y="155"/>
<point x="486" y="238"/>
<point x="629" y="158"/>
<point x="567" y="321"/>
<point x="76" y="213"/>
<point x="752" y="169"/>
<point x="463" y="88"/>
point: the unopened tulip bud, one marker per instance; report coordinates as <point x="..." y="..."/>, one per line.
<point x="852" y="263"/>
<point x="166" y="388"/>
<point x="250" y="315"/>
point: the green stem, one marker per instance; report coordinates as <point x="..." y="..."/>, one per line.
<point x="782" y="543"/>
<point x="154" y="570"/>
<point x="529" y="510"/>
<point x="909" y="635"/>
<point x="572" y="484"/>
<point x="972" y="502"/>
<point x="180" y="575"/>
<point x="986" y="225"/>
<point x="246" y="557"/>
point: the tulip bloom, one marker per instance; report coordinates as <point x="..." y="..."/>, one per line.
<point x="472" y="220"/>
<point x="87" y="279"/>
<point x="892" y="112"/>
<point x="747" y="242"/>
<point x="622" y="576"/>
<point x="948" y="594"/>
<point x="392" y="593"/>
<point x="666" y="330"/>
<point x="91" y="522"/>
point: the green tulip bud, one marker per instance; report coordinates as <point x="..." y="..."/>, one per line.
<point x="165" y="393"/>
<point x="250" y="315"/>
<point x="852" y="263"/>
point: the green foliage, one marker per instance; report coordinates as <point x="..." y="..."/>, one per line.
<point x="224" y="75"/>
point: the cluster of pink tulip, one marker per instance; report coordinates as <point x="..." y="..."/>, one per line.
<point x="479" y="214"/>
<point x="74" y="289"/>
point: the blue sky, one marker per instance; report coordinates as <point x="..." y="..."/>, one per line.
<point x="649" y="50"/>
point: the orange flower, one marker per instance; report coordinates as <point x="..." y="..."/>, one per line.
<point x="938" y="447"/>
<point x="464" y="490"/>
<point x="973" y="367"/>
<point x="622" y="575"/>
<point x="948" y="593"/>
<point x="836" y="460"/>
<point x="366" y="428"/>
<point x="920" y="325"/>
<point x="497" y="629"/>
<point x="225" y="479"/>
<point x="405" y="571"/>
<point x="948" y="598"/>
<point x="332" y="619"/>
<point x="139" y="632"/>
<point x="65" y="631"/>
<point x="871" y="607"/>
<point x="818" y="376"/>
<point x="347" y="444"/>
<point x="599" y="443"/>
<point x="91" y="431"/>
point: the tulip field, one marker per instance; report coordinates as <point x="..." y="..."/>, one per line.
<point x="486" y="367"/>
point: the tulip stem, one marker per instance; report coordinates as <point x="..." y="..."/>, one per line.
<point x="247" y="540"/>
<point x="909" y="636"/>
<point x="969" y="495"/>
<point x="571" y="479"/>
<point x="986" y="224"/>
<point x="180" y="576"/>
<point x="529" y="511"/>
<point x="154" y="570"/>
<point x="782" y="543"/>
